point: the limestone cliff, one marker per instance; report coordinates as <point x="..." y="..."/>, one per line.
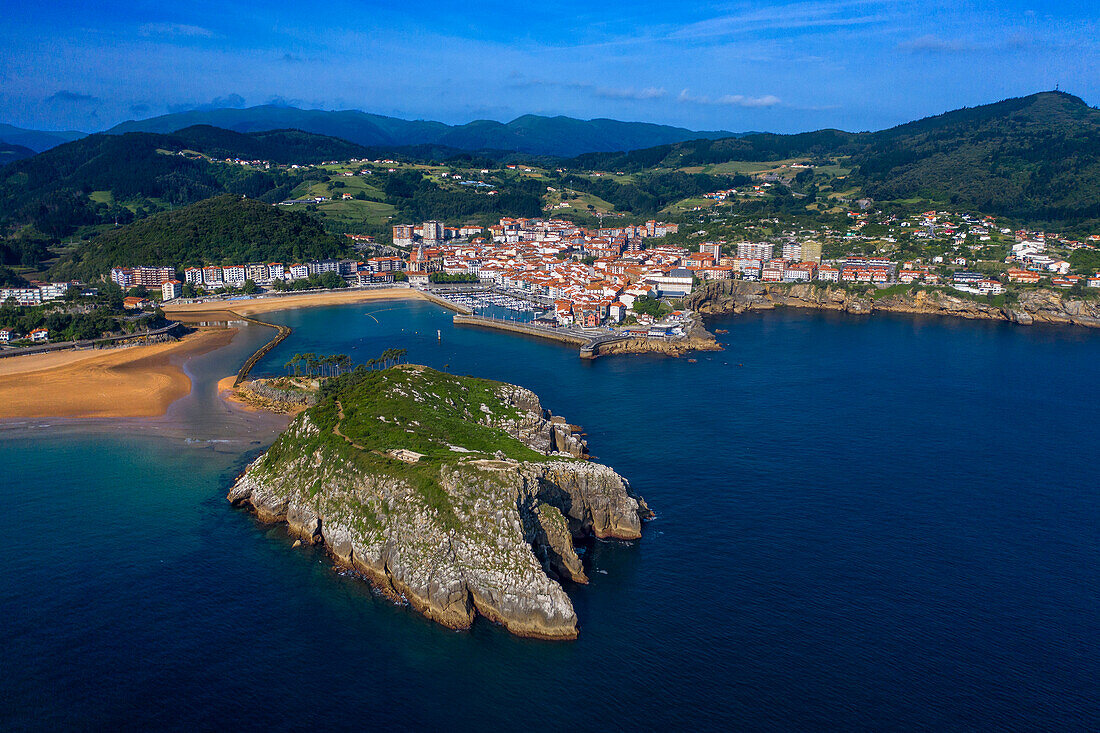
<point x="458" y="495"/>
<point x="1032" y="306"/>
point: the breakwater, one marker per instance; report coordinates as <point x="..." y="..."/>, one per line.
<point x="524" y="328"/>
<point x="448" y="304"/>
<point x="280" y="336"/>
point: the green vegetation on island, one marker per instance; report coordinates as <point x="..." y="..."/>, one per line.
<point x="448" y="492"/>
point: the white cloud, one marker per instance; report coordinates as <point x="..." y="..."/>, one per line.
<point x="733" y="100"/>
<point x="814" y="14"/>
<point x="630" y="93"/>
<point x="175" y="29"/>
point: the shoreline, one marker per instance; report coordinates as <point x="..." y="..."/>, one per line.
<point x="136" y="381"/>
<point x="270" y="304"/>
<point x="142" y="381"/>
<point x="733" y="297"/>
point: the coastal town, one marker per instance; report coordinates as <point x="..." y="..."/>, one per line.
<point x="617" y="277"/>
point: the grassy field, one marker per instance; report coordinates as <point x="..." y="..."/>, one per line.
<point x="581" y="203"/>
<point x="688" y="204"/>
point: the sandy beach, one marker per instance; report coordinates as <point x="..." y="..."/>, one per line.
<point x="138" y="381"/>
<point x="142" y="381"/>
<point x="286" y="302"/>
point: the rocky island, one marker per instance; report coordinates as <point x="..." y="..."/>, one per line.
<point x="458" y="495"/>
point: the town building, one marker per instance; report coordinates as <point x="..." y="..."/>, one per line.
<point x="755" y="250"/>
<point x="171" y="290"/>
<point x="148" y="277"/>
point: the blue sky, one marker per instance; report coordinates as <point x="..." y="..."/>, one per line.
<point x="776" y="66"/>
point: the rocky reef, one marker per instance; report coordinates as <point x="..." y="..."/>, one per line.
<point x="460" y="496"/>
<point x="1031" y="306"/>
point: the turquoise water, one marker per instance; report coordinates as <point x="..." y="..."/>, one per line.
<point x="863" y="523"/>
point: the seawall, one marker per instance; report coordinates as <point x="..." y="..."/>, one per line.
<point x="462" y="319"/>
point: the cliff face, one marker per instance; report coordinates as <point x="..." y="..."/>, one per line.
<point x="1033" y="306"/>
<point x="482" y="527"/>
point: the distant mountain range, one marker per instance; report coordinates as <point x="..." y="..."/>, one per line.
<point x="1034" y="158"/>
<point x="534" y="134"/>
<point x="36" y="140"/>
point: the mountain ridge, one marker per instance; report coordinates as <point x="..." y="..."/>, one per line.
<point x="37" y="140"/>
<point x="535" y="134"/>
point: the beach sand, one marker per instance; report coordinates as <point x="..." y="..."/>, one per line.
<point x="138" y="381"/>
<point x="142" y="381"/>
<point x="286" y="302"/>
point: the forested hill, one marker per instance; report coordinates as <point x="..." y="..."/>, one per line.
<point x="84" y="182"/>
<point x="222" y="230"/>
<point x="274" y="146"/>
<point x="1034" y="158"/>
<point x="10" y="153"/>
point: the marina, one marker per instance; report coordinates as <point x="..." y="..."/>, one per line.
<point x="497" y="305"/>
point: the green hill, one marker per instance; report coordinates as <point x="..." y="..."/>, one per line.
<point x="116" y="178"/>
<point x="222" y="230"/>
<point x="274" y="146"/>
<point x="1034" y="158"/>
<point x="10" y="153"/>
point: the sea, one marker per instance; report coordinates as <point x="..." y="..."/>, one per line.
<point x="863" y="523"/>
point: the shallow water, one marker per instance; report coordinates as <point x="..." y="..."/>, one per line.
<point x="863" y="523"/>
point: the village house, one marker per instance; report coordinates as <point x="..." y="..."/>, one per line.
<point x="132" y="302"/>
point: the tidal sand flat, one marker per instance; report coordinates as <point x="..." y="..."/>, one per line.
<point x="255" y="306"/>
<point x="137" y="381"/>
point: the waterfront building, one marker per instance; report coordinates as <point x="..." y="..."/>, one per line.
<point x="171" y="290"/>
<point x="212" y="276"/>
<point x="149" y="277"/>
<point x="257" y="273"/>
<point x="676" y="284"/>
<point x="234" y="275"/>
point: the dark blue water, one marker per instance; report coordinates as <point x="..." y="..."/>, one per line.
<point x="863" y="524"/>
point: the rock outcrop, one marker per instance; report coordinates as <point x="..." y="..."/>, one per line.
<point x="1031" y="306"/>
<point x="696" y="338"/>
<point x="482" y="528"/>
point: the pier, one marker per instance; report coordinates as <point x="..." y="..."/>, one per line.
<point x="283" y="332"/>
<point x="554" y="334"/>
